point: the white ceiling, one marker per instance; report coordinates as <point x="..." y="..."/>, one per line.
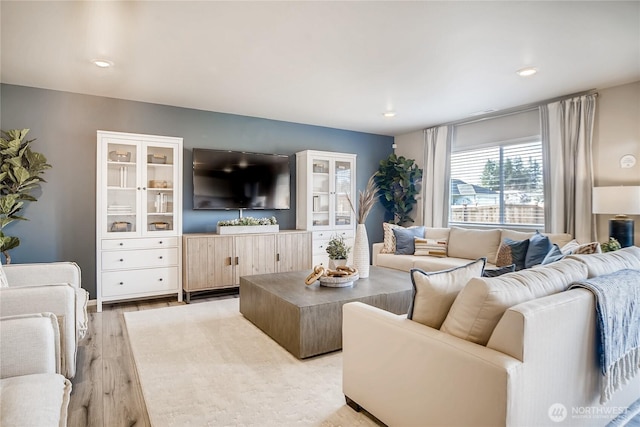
<point x="339" y="64"/>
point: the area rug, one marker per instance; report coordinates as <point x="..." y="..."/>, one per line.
<point x="204" y="364"/>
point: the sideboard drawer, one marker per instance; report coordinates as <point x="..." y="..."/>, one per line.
<point x="118" y="260"/>
<point x="123" y="283"/>
<point x="146" y="243"/>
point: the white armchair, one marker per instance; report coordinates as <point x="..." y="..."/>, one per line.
<point x="32" y="390"/>
<point x="49" y="287"/>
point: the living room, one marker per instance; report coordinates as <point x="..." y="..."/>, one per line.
<point x="64" y="121"/>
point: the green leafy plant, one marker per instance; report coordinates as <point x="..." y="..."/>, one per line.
<point x="611" y="245"/>
<point x="247" y="220"/>
<point x="398" y="180"/>
<point x="337" y="248"/>
<point x="20" y="172"/>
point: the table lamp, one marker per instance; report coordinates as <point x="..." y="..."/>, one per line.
<point x="620" y="201"/>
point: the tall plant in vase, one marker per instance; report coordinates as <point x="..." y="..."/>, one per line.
<point x="366" y="200"/>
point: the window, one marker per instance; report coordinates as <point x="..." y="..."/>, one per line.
<point x="498" y="185"/>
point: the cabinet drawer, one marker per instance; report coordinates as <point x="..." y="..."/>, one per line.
<point x="123" y="283"/>
<point x="328" y="234"/>
<point x="148" y="243"/>
<point x="119" y="260"/>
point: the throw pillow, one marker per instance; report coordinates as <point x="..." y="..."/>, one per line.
<point x="481" y="303"/>
<point x="588" y="248"/>
<point x="473" y="244"/>
<point x="512" y="252"/>
<point x="434" y="292"/>
<point x="539" y="247"/>
<point x="432" y="247"/>
<point x="389" y="239"/>
<point x="495" y="272"/>
<point x="568" y="248"/>
<point x="555" y="254"/>
<point x="4" y="283"/>
<point x="405" y="239"/>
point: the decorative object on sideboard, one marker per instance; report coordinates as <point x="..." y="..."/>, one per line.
<point x="620" y="201"/>
<point x="157" y="159"/>
<point x="21" y="170"/>
<point x="120" y="156"/>
<point x="398" y="179"/>
<point x="248" y="225"/>
<point x="611" y="245"/>
<point x="366" y="200"/>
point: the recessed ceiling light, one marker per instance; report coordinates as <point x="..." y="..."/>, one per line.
<point x="526" y="72"/>
<point x="389" y="114"/>
<point x="102" y="63"/>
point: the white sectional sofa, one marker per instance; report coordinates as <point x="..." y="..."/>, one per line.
<point x="463" y="245"/>
<point x="539" y="366"/>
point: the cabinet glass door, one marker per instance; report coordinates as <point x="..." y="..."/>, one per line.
<point x="158" y="188"/>
<point x="121" y="188"/>
<point x="342" y="185"/>
<point x="321" y="192"/>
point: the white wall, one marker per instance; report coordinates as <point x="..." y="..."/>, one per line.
<point x="616" y="133"/>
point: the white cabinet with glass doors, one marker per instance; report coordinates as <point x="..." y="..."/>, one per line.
<point x="324" y="180"/>
<point x="138" y="216"/>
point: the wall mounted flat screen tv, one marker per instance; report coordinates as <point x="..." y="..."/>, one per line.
<point x="240" y="180"/>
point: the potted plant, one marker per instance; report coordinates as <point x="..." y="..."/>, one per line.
<point x="338" y="251"/>
<point x="398" y="180"/>
<point x="248" y="224"/>
<point x="611" y="245"/>
<point x="20" y="171"/>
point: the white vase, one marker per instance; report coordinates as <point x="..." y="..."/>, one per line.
<point x="333" y="263"/>
<point x="361" y="251"/>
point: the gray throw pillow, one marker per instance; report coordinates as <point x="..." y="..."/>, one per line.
<point x="405" y="244"/>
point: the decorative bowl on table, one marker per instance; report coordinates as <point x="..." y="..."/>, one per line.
<point x="338" y="281"/>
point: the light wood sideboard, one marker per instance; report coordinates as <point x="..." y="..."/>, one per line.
<point x="215" y="261"/>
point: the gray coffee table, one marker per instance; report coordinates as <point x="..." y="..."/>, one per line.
<point x="307" y="320"/>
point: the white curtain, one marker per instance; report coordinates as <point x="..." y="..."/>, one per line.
<point x="436" y="174"/>
<point x="567" y="129"/>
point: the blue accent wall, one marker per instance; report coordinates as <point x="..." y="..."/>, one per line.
<point x="61" y="224"/>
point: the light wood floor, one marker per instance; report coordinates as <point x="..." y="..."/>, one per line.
<point x="106" y="390"/>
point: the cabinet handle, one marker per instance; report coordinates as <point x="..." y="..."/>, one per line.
<point x="121" y="283"/>
<point x="229" y="258"/>
<point x="160" y="279"/>
<point x="160" y="257"/>
<point x="121" y="260"/>
<point x="160" y="242"/>
<point x="278" y="257"/>
<point x="138" y="188"/>
<point x="121" y="244"/>
<point x="237" y="260"/>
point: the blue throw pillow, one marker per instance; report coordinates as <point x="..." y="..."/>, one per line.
<point x="405" y="244"/>
<point x="539" y="247"/>
<point x="512" y="252"/>
<point x="555" y="254"/>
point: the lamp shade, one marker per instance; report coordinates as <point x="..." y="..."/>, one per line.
<point x="618" y="200"/>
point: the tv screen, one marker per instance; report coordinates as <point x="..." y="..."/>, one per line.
<point x="239" y="180"/>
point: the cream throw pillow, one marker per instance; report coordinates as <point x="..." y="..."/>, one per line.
<point x="474" y="244"/>
<point x="434" y="292"/>
<point x="480" y="305"/>
<point x="432" y="247"/>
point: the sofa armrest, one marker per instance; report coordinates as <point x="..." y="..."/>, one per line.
<point x="375" y="250"/>
<point x="408" y="374"/>
<point x="59" y="299"/>
<point x="30" y="345"/>
<point x="50" y="273"/>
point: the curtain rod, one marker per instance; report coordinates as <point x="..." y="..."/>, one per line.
<point x="514" y="110"/>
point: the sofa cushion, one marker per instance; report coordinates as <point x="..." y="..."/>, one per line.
<point x="539" y="247"/>
<point x="512" y="252"/>
<point x="560" y="239"/>
<point x="434" y="292"/>
<point x="474" y="244"/>
<point x="405" y="244"/>
<point x="34" y="400"/>
<point x="482" y="302"/>
<point x="610" y="262"/>
<point x="433" y="247"/>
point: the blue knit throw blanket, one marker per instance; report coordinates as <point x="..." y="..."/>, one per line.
<point x="618" y="311"/>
